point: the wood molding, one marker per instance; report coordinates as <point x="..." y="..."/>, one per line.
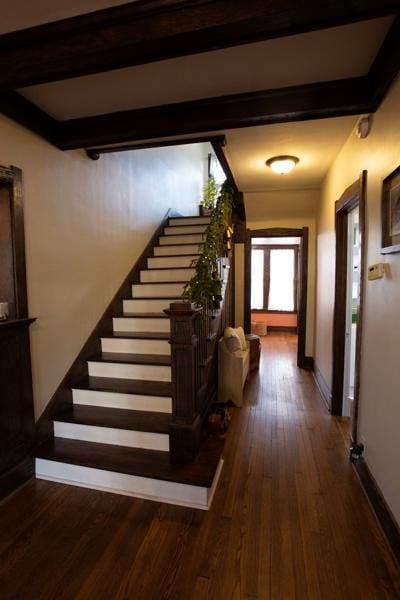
<point x="322" y="386"/>
<point x="302" y="312"/>
<point x="296" y="103"/>
<point x="24" y="112"/>
<point x="95" y="153"/>
<point x="386" y="65"/>
<point x="62" y="398"/>
<point x="141" y="32"/>
<point x="354" y="195"/>
<point x="383" y="513"/>
<point x="11" y="479"/>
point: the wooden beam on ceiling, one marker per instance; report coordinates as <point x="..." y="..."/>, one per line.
<point x="21" y="110"/>
<point x="386" y="65"/>
<point x="152" y="30"/>
<point x="298" y="103"/>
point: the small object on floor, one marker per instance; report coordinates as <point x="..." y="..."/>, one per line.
<point x="214" y="424"/>
<point x="255" y="350"/>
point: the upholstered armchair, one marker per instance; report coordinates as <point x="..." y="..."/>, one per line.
<point x="233" y="365"/>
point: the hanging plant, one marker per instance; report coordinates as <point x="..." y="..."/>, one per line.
<point x="205" y="287"/>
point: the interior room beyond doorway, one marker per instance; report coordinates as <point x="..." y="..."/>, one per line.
<point x="274" y="284"/>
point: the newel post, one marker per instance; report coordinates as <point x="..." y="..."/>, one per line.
<point x="185" y="430"/>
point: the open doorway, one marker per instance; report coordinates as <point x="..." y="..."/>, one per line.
<point x="276" y="284"/>
<point x="347" y="322"/>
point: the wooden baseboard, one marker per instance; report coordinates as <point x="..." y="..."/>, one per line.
<point x="281" y="328"/>
<point x="323" y="387"/>
<point x="383" y="513"/>
<point x="16" y="476"/>
<point x="308" y="363"/>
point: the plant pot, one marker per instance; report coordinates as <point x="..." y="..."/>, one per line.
<point x="204" y="211"/>
<point x="214" y="424"/>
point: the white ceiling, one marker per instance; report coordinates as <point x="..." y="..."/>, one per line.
<point x="315" y="143"/>
<point x="19" y="14"/>
<point x="323" y="55"/>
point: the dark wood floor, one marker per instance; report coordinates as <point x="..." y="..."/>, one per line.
<point x="289" y="518"/>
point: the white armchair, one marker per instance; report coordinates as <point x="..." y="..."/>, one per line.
<point x="233" y="365"/>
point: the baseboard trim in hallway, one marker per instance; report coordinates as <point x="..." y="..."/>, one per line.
<point x="322" y="387"/>
<point x="379" y="506"/>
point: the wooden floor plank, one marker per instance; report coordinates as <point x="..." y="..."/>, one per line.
<point x="289" y="518"/>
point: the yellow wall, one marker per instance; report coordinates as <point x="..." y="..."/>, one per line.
<point x="379" y="154"/>
<point x="86" y="223"/>
<point x="289" y="208"/>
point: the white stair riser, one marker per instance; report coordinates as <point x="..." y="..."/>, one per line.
<point x="135" y="346"/>
<point x="125" y="401"/>
<point x="171" y="262"/>
<point x="156" y="305"/>
<point x="141" y="324"/>
<point x="189" y="221"/>
<point x="128" y="485"/>
<point x="184" y="229"/>
<point x="177" y="250"/>
<point x="109" y="435"/>
<point x="154" y="275"/>
<point x="181" y="239"/>
<point x="157" y="290"/>
<point x="129" y="371"/>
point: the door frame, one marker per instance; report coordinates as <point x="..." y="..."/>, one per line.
<point x="303" y="361"/>
<point x="353" y="196"/>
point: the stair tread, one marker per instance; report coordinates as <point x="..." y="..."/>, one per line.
<point x="166" y="268"/>
<point x="125" y="386"/>
<point x="158" y="283"/>
<point x="139" y="335"/>
<point x="181" y="243"/>
<point x="116" y="418"/>
<point x="134" y="461"/>
<point x="132" y="358"/>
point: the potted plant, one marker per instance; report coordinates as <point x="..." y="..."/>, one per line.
<point x="210" y="194"/>
<point x="205" y="287"/>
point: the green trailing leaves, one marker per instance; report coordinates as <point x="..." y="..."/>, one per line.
<point x="205" y="287"/>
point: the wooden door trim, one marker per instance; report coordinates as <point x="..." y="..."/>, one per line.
<point x="13" y="177"/>
<point x="354" y="195"/>
<point x="303" y="361"/>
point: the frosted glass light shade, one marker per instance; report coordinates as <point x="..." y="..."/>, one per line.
<point x="282" y="164"/>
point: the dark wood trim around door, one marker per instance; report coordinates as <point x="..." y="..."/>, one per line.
<point x="12" y="176"/>
<point x="303" y="361"/>
<point x="354" y="195"/>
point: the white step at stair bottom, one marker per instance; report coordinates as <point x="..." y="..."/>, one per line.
<point x="162" y="262"/>
<point x="158" y="490"/>
<point x="175" y="222"/>
<point x="177" y="250"/>
<point x="135" y="346"/>
<point x="161" y="404"/>
<point x="157" y="290"/>
<point x="153" y="325"/>
<point x="108" y="435"/>
<point x="129" y="371"/>
<point x="152" y="305"/>
<point x="191" y="238"/>
<point x="184" y="229"/>
<point x="154" y="275"/>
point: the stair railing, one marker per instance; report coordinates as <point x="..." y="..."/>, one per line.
<point x="195" y="332"/>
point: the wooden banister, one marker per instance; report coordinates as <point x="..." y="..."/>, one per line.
<point x="194" y="335"/>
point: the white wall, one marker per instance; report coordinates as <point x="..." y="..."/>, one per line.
<point x="289" y="208"/>
<point x="86" y="223"/>
<point x="379" y="423"/>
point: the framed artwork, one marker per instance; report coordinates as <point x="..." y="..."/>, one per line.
<point x="391" y="213"/>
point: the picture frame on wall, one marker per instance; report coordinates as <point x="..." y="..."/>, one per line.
<point x="391" y="213"/>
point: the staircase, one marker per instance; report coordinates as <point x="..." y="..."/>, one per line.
<point x="115" y="435"/>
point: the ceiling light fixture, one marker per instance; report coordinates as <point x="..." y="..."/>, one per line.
<point x="282" y="164"/>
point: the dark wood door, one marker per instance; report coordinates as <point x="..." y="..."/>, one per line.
<point x="7" y="288"/>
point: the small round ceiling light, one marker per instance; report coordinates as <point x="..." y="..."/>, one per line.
<point x="282" y="164"/>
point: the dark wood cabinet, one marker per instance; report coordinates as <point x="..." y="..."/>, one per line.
<point x="16" y="405"/>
